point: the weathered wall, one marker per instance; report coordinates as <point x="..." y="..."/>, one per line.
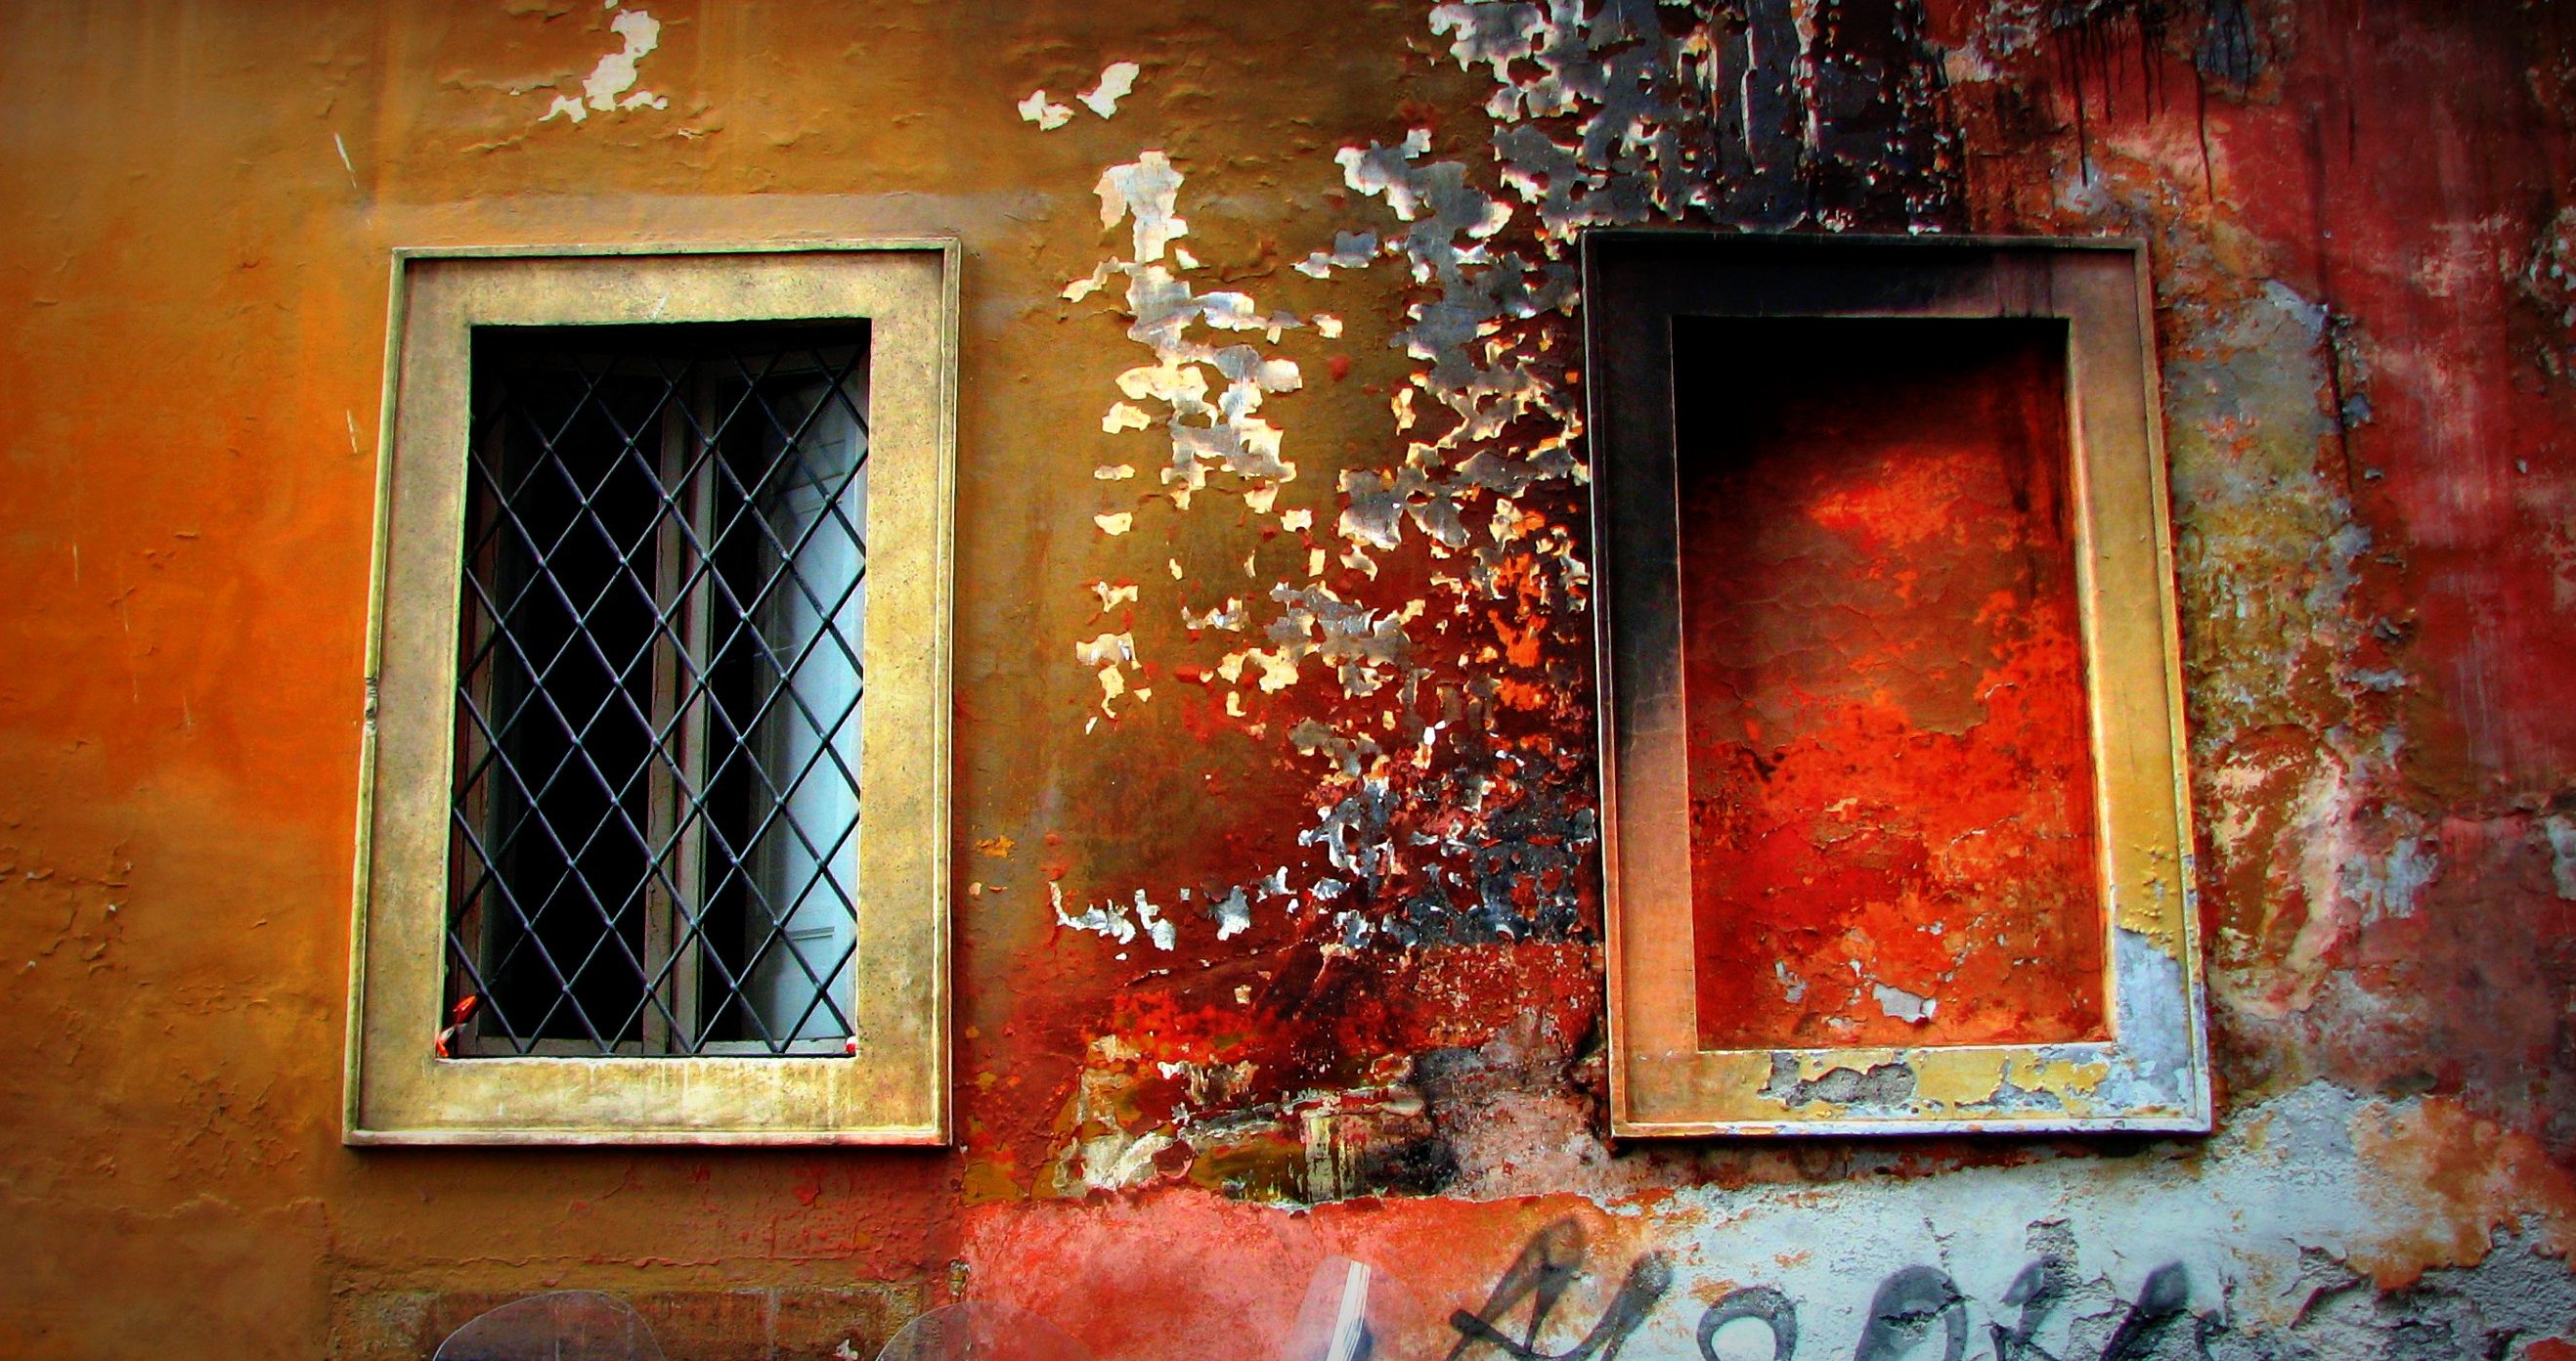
<point x="1277" y="906"/>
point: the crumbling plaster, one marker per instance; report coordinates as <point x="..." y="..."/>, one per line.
<point x="1277" y="904"/>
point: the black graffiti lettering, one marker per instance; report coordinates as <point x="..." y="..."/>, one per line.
<point x="1909" y="1301"/>
<point x="1648" y="1279"/>
<point x="1775" y="1310"/>
<point x="1550" y="1263"/>
<point x="2038" y="1290"/>
<point x="2166" y="1296"/>
<point x="1909" y="1304"/>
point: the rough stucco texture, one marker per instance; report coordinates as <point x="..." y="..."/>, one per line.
<point x="1886" y="685"/>
<point x="1278" y="889"/>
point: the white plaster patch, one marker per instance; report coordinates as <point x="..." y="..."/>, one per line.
<point x="1117" y="80"/>
<point x="1107" y="649"/>
<point x="1898" y="1004"/>
<point x="1495" y="34"/>
<point x="1047" y="115"/>
<point x="1108" y="920"/>
<point x="1113" y="1162"/>
<point x="1116" y="921"/>
<point x="1351" y="250"/>
<point x="2157" y="1039"/>
<point x="2388" y="886"/>
<point x="610" y="86"/>
<point x="1228" y="616"/>
<point x="1149" y="916"/>
<point x="1145" y="189"/>
<point x="1080" y="289"/>
<point x="1233" y="915"/>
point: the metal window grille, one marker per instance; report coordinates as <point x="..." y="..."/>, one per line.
<point x="654" y="828"/>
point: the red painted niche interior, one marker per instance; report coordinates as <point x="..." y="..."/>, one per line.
<point x="1891" y="777"/>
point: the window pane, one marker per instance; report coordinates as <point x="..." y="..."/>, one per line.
<point x="805" y="693"/>
<point x="654" y="847"/>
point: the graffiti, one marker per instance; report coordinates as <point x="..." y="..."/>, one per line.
<point x="1910" y="1308"/>
<point x="1912" y="1301"/>
<point x="1552" y="1261"/>
<point x="1909" y="1301"/>
<point x="1775" y="1310"/>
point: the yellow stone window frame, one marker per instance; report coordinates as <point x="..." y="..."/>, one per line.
<point x="893" y="1087"/>
<point x="2151" y="1074"/>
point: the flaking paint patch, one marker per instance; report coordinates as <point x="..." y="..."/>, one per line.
<point x="2562" y="855"/>
<point x="2289" y="1235"/>
<point x="1446" y="811"/>
<point x="1208" y="427"/>
<point x="2275" y="554"/>
<point x="1047" y="114"/>
<point x="610" y="86"/>
<point x="1436" y="823"/>
<point x="2040" y="1080"/>
<point x="1121" y="923"/>
<point x="1117" y="81"/>
<point x="1900" y="1005"/>
<point x="2155" y="1040"/>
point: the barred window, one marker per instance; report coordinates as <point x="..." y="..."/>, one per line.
<point x="656" y="810"/>
<point x="654" y="839"/>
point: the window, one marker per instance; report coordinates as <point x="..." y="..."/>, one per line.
<point x="1891" y="722"/>
<point x="654" y="840"/>
<point x="655" y="844"/>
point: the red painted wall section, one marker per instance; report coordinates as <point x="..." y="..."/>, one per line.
<point x="1892" y="834"/>
<point x="2377" y="696"/>
<point x="1277" y="844"/>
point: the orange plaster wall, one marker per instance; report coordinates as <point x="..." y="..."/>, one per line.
<point x="197" y="202"/>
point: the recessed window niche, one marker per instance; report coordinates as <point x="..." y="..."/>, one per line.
<point x="1891" y="787"/>
<point x="1891" y="739"/>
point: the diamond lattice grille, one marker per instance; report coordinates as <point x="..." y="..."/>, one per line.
<point x="655" y="814"/>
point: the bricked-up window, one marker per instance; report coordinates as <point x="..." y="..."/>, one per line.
<point x="1891" y="720"/>
<point x="656" y="824"/>
<point x="655" y="847"/>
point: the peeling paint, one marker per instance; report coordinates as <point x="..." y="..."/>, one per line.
<point x="1048" y="115"/>
<point x="610" y="86"/>
<point x="2270" y="1243"/>
<point x="1117" y="81"/>
<point x="1279" y="936"/>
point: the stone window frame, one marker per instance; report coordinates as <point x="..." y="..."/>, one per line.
<point x="894" y="1085"/>
<point x="2152" y="1073"/>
